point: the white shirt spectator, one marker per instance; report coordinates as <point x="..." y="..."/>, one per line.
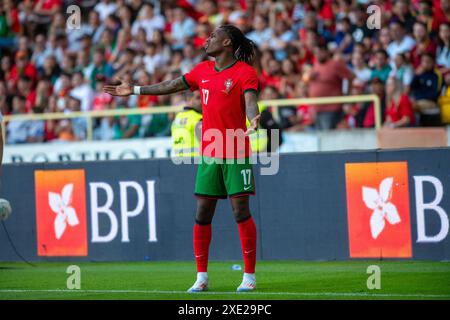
<point x="74" y="36"/>
<point x="262" y="37"/>
<point x="181" y="31"/>
<point x="85" y="94"/>
<point x="405" y="45"/>
<point x="443" y="57"/>
<point x="105" y="9"/>
<point x="149" y="25"/>
<point x="405" y="74"/>
<point x="279" y="44"/>
<point x="79" y="127"/>
<point x="151" y="63"/>
<point x="18" y="131"/>
<point x="363" y="74"/>
<point x="105" y="131"/>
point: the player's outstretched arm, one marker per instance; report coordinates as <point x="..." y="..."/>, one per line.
<point x="165" y="87"/>
<point x="252" y="111"/>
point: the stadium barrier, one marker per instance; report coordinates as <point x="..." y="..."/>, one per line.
<point x="275" y="104"/>
<point x="412" y="138"/>
<point x="319" y="206"/>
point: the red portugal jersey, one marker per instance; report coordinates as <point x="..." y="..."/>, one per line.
<point x="223" y="103"/>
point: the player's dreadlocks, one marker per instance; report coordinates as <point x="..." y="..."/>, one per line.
<point x="243" y="48"/>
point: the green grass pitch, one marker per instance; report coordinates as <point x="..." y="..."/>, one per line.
<point x="276" y="280"/>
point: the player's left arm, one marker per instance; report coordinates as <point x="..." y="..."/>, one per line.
<point x="252" y="110"/>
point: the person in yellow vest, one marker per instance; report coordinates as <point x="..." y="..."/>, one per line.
<point x="258" y="140"/>
<point x="187" y="129"/>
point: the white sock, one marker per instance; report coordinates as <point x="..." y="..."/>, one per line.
<point x="202" y="276"/>
<point x="249" y="277"/>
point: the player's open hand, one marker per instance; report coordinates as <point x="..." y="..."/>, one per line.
<point x="124" y="89"/>
<point x="254" y="123"/>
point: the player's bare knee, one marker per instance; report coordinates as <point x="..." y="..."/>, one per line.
<point x="205" y="211"/>
<point x="241" y="212"/>
<point x="203" y="218"/>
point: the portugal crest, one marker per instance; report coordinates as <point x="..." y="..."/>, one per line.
<point x="228" y="83"/>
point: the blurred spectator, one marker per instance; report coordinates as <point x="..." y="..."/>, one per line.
<point x="75" y="128"/>
<point x="25" y="88"/>
<point x="22" y="67"/>
<point x="326" y="80"/>
<point x="95" y="26"/>
<point x="23" y="131"/>
<point x="399" y="112"/>
<point x="43" y="93"/>
<point x="148" y="20"/>
<point x="402" y="72"/>
<point x="304" y="117"/>
<point x="443" y="50"/>
<point x="271" y="73"/>
<point x="381" y="69"/>
<point x="361" y="32"/>
<point x="441" y="14"/>
<point x="402" y="14"/>
<point x="282" y="37"/>
<point x="343" y="38"/>
<point x="290" y="77"/>
<point x="425" y="14"/>
<point x="351" y="111"/>
<point x="39" y="51"/>
<point x="401" y="42"/>
<point x="423" y="44"/>
<point x="425" y="89"/>
<point x="366" y="115"/>
<point x="190" y="59"/>
<point x="79" y="124"/>
<point x="102" y="101"/>
<point x="126" y="126"/>
<point x="152" y="59"/>
<point x="262" y="34"/>
<point x="82" y="91"/>
<point x="98" y="66"/>
<point x="360" y="69"/>
<point x="384" y="39"/>
<point x="125" y="64"/>
<point x="8" y="24"/>
<point x="43" y="11"/>
<point x="105" y="8"/>
<point x="183" y="28"/>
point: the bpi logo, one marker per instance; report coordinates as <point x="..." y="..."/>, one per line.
<point x="378" y="210"/>
<point x="61" y="213"/>
<point x="62" y="218"/>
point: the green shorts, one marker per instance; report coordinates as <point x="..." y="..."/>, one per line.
<point x="218" y="179"/>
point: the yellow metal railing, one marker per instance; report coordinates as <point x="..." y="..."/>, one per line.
<point x="275" y="104"/>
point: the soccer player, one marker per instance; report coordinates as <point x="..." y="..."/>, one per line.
<point x="228" y="88"/>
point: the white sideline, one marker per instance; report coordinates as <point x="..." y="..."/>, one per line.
<point x="324" y="294"/>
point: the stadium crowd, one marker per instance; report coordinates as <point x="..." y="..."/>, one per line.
<point x="309" y="48"/>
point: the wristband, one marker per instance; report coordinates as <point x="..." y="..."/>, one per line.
<point x="137" y="90"/>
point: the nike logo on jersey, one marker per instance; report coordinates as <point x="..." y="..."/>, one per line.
<point x="204" y="81"/>
<point x="247" y="188"/>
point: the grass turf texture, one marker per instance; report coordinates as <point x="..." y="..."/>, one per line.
<point x="276" y="280"/>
